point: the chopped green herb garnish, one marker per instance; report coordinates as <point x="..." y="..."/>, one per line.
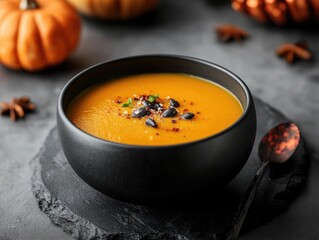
<point x="128" y="103"/>
<point x="152" y="98"/>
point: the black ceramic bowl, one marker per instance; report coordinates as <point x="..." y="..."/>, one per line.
<point x="152" y="174"/>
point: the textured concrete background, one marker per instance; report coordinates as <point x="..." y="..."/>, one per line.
<point x="178" y="27"/>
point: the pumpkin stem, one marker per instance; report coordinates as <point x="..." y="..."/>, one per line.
<point x="28" y="4"/>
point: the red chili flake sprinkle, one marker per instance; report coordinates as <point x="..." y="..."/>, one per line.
<point x="157" y="134"/>
<point x="198" y="112"/>
<point x="185" y="110"/>
<point x="118" y="101"/>
<point x="175" y="129"/>
<point x="191" y="103"/>
<point x="173" y="121"/>
<point x="119" y="114"/>
<point x="135" y="99"/>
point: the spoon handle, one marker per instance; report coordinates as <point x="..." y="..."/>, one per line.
<point x="245" y="203"/>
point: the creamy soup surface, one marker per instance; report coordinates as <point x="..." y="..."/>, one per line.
<point x="154" y="109"/>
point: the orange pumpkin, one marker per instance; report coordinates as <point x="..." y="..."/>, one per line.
<point x="36" y="34"/>
<point x="114" y="9"/>
<point x="280" y="12"/>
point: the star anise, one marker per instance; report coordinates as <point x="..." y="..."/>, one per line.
<point x="17" y="108"/>
<point x="227" y="33"/>
<point x="291" y="52"/>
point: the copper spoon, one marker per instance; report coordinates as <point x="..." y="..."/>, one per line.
<point x="277" y="146"/>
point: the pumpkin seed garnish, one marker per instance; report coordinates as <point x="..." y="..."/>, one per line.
<point x="150" y="122"/>
<point x="174" y="103"/>
<point x="171" y="112"/>
<point x="148" y="106"/>
<point x="188" y="115"/>
<point x="140" y="112"/>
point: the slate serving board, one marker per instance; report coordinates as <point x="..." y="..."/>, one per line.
<point x="87" y="214"/>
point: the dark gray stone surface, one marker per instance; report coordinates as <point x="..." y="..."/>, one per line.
<point x="180" y="27"/>
<point x="87" y="214"/>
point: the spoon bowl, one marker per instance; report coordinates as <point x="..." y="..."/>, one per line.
<point x="279" y="144"/>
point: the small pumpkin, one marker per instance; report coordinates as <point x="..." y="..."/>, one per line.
<point x="114" y="9"/>
<point x="36" y="34"/>
<point x="280" y="12"/>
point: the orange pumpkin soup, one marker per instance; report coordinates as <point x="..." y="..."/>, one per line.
<point x="154" y="109"/>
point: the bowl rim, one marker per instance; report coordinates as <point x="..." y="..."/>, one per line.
<point x="61" y="111"/>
